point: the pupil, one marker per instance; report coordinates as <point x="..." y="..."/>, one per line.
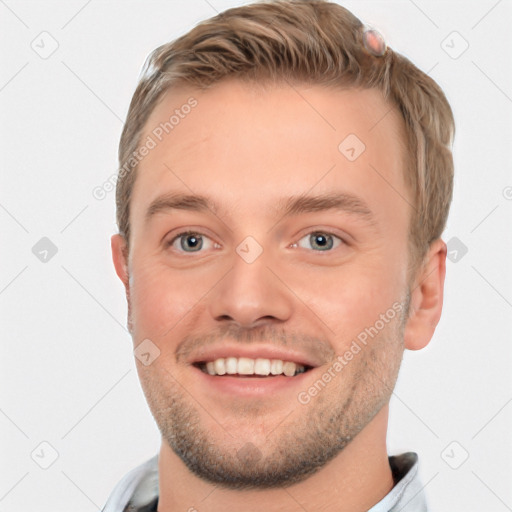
<point x="321" y="241"/>
<point x="192" y="241"/>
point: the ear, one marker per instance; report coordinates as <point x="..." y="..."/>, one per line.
<point x="426" y="298"/>
<point x="120" y="258"/>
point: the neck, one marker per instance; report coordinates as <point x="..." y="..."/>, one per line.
<point x="355" y="480"/>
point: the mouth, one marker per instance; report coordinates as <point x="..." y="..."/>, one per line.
<point x="251" y="368"/>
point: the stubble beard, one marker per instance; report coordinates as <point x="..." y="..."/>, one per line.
<point x="309" y="437"/>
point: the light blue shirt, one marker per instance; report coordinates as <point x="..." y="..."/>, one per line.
<point x="138" y="490"/>
<point x="407" y="494"/>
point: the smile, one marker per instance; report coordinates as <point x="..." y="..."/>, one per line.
<point x="246" y="366"/>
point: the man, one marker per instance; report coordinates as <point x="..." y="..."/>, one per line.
<point x="284" y="182"/>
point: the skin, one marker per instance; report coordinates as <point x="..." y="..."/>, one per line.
<point x="248" y="146"/>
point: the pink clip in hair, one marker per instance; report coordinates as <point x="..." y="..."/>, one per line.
<point x="374" y="42"/>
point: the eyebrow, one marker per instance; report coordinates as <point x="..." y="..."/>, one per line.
<point x="286" y="207"/>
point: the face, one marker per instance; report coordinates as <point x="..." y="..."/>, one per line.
<point x="256" y="237"/>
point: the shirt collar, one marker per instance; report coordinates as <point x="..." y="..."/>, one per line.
<point x="407" y="494"/>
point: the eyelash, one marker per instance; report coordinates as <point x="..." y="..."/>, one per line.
<point x="319" y="232"/>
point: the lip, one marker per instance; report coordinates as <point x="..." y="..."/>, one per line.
<point x="254" y="352"/>
<point x="249" y="386"/>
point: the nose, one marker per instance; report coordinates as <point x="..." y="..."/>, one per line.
<point x="250" y="295"/>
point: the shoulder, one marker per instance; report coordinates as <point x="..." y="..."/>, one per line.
<point x="136" y="488"/>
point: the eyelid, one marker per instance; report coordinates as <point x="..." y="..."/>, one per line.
<point x="322" y="232"/>
<point x="309" y="232"/>
<point x="184" y="233"/>
<point x="185" y="230"/>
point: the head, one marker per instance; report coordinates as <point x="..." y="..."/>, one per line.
<point x="312" y="171"/>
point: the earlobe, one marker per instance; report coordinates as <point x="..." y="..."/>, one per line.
<point x="120" y="258"/>
<point x="426" y="298"/>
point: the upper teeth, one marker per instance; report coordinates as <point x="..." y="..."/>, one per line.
<point x="247" y="366"/>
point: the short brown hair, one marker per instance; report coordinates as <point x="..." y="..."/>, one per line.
<point x="310" y="42"/>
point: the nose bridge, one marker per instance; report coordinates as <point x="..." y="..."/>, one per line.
<point x="250" y="292"/>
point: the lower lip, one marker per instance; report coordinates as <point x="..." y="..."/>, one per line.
<point x="251" y="386"/>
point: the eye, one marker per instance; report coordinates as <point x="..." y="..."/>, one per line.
<point x="319" y="241"/>
<point x="190" y="241"/>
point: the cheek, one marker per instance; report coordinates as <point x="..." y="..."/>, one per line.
<point x="353" y="299"/>
<point x="160" y="299"/>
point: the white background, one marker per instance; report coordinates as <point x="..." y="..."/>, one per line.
<point x="67" y="370"/>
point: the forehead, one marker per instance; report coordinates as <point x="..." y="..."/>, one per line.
<point x="249" y="143"/>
